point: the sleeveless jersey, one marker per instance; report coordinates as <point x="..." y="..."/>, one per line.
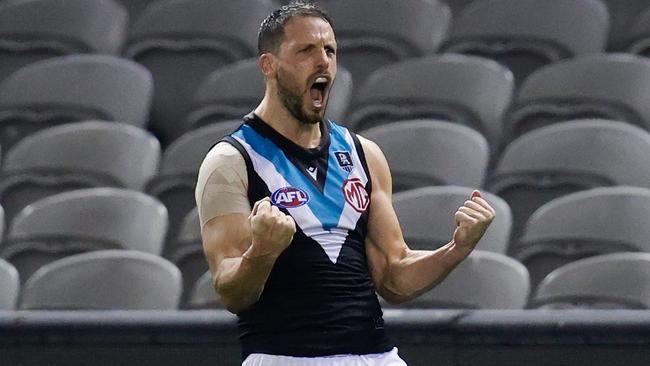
<point x="319" y="299"/>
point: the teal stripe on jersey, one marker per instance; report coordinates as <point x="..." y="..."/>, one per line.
<point x="327" y="206"/>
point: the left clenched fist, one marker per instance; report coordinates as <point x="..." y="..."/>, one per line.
<point x="472" y="220"/>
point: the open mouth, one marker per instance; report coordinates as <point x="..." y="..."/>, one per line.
<point x="317" y="91"/>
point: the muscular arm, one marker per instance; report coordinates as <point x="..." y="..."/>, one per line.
<point x="399" y="273"/>
<point x="240" y="244"/>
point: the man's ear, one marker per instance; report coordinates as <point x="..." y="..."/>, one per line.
<point x="267" y="64"/>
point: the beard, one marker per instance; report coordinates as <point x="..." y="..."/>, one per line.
<point x="293" y="102"/>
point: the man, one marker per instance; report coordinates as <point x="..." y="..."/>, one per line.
<point x="297" y="222"/>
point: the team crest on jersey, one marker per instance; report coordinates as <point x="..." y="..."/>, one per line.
<point x="289" y="197"/>
<point x="356" y="195"/>
<point x="344" y="160"/>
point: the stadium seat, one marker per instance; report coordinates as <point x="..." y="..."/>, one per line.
<point x="135" y="8"/>
<point x="609" y="281"/>
<point x="527" y="34"/>
<point x="559" y="159"/>
<point x="76" y="155"/>
<point x="175" y="182"/>
<point x="9" y="286"/>
<point x="187" y="253"/>
<point x="426" y="216"/>
<point x="84" y="220"/>
<point x="374" y="33"/>
<point x="612" y="86"/>
<point x="468" y="90"/>
<point x="484" y="280"/>
<point x="38" y="29"/>
<point x="203" y="294"/>
<point x="104" y="280"/>
<point x="181" y="42"/>
<point x="72" y="88"/>
<point x="584" y="224"/>
<point x="431" y="152"/>
<point x="233" y="91"/>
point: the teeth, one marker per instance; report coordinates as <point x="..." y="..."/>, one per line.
<point x="321" y="79"/>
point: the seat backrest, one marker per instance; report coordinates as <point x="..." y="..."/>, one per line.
<point x="527" y="34"/>
<point x="9" y="286"/>
<point x="132" y="219"/>
<point x="114" y="88"/>
<point x="95" y="26"/>
<point x="374" y="33"/>
<point x="484" y="280"/>
<point x="637" y="36"/>
<point x="570" y="89"/>
<point x="234" y="90"/>
<point x="104" y="280"/>
<point x="619" y="280"/>
<point x="126" y="153"/>
<point x="181" y="42"/>
<point x="583" y="224"/>
<point x="465" y="89"/>
<point x="203" y="295"/>
<point x="552" y="161"/>
<point x="431" y="152"/>
<point x="426" y="217"/>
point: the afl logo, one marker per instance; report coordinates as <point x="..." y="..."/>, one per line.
<point x="356" y="195"/>
<point x="289" y="197"/>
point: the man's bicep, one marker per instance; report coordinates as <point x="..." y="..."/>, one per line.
<point x="225" y="236"/>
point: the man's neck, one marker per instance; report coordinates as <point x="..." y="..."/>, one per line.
<point x="307" y="135"/>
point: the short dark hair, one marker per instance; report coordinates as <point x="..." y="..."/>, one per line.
<point x="271" y="32"/>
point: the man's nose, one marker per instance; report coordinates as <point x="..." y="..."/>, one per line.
<point x="323" y="60"/>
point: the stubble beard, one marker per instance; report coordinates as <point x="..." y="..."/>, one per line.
<point x="293" y="102"/>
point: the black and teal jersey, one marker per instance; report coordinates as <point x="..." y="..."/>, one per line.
<point x="319" y="298"/>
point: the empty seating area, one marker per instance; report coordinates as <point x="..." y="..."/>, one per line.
<point x="108" y="107"/>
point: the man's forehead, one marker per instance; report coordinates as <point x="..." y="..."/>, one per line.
<point x="308" y="29"/>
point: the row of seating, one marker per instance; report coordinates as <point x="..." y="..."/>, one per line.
<point x="541" y="165"/>
<point x="130" y="280"/>
<point x="467" y="90"/>
<point x="579" y="225"/>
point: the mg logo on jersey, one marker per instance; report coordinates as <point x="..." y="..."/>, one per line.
<point x="356" y="195"/>
<point x="289" y="197"/>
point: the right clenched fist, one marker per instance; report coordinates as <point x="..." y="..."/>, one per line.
<point x="272" y="230"/>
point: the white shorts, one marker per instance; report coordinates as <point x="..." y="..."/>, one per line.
<point x="390" y="358"/>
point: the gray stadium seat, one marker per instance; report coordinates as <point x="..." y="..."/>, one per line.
<point x="584" y="224"/>
<point x="77" y="155"/>
<point x="73" y="88"/>
<point x="135" y="8"/>
<point x="203" y="295"/>
<point x="610" y="281"/>
<point x="468" y="90"/>
<point x="84" y="220"/>
<point x="9" y="286"/>
<point x="610" y="86"/>
<point x="426" y="217"/>
<point x="527" y="34"/>
<point x="431" y="152"/>
<point x="38" y="29"/>
<point x="234" y="90"/>
<point x="187" y="253"/>
<point x="555" y="160"/>
<point x="104" y="280"/>
<point x="484" y="280"/>
<point x="374" y="33"/>
<point x="181" y="42"/>
<point x="175" y="182"/>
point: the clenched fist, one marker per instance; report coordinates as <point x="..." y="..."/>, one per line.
<point x="272" y="230"/>
<point x="472" y="220"/>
